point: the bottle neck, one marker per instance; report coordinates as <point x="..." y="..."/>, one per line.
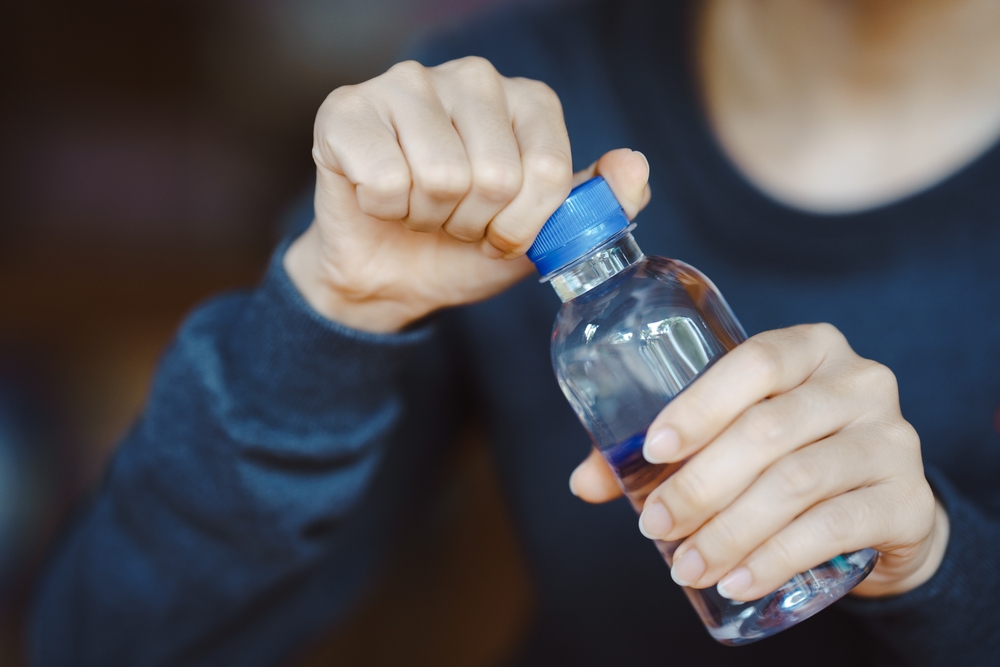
<point x="598" y="265"/>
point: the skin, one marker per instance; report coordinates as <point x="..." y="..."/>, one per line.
<point x="840" y="105"/>
<point x="797" y="453"/>
<point x="797" y="448"/>
<point x="433" y="182"/>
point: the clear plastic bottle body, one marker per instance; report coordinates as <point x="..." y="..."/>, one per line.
<point x="632" y="333"/>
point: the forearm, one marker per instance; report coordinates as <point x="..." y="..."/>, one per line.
<point x="249" y="478"/>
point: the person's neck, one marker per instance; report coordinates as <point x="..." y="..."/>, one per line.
<point x="844" y="104"/>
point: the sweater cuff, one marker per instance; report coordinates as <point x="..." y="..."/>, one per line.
<point x="950" y="618"/>
<point x="952" y="574"/>
<point x="278" y="292"/>
<point x="290" y="360"/>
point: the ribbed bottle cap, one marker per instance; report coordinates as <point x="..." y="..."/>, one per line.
<point x="590" y="216"/>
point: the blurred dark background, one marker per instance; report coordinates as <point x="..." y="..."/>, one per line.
<point x="148" y="151"/>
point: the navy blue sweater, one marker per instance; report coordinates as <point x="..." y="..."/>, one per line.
<point x="278" y="451"/>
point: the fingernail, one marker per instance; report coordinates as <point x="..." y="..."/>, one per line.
<point x="662" y="445"/>
<point x="490" y="250"/>
<point x="655" y="521"/>
<point x="643" y="156"/>
<point x="736" y="582"/>
<point x="572" y="481"/>
<point x="688" y="568"/>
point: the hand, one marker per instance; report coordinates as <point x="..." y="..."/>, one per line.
<point x="432" y="183"/>
<point x="797" y="452"/>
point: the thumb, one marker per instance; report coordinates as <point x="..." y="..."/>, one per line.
<point x="627" y="172"/>
<point x="593" y="480"/>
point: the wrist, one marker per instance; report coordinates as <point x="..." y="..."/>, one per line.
<point x="304" y="266"/>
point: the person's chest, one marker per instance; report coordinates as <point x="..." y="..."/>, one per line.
<point x="930" y="312"/>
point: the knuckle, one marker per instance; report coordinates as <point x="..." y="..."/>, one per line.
<point x="418" y="225"/>
<point x="689" y="489"/>
<point x="443" y="180"/>
<point x="763" y="359"/>
<point x="826" y="332"/>
<point x="922" y="496"/>
<point x="898" y="434"/>
<point x="879" y="377"/>
<point x="923" y="504"/>
<point x="725" y="536"/>
<point x="892" y="446"/>
<point x="496" y="180"/>
<point x="907" y="435"/>
<point x="908" y="514"/>
<point x="387" y="183"/>
<point x="408" y="69"/>
<point x="472" y="75"/>
<point x="408" y="77"/>
<point x="876" y="385"/>
<point x="462" y="234"/>
<point x="836" y="524"/>
<point x="541" y="91"/>
<point x="342" y="103"/>
<point x="345" y="100"/>
<point x="797" y="477"/>
<point x="553" y="169"/>
<point x="696" y="406"/>
<point x="782" y="553"/>
<point x="475" y="67"/>
<point x="763" y="425"/>
<point x="383" y="210"/>
<point x="319" y="152"/>
<point x="506" y="240"/>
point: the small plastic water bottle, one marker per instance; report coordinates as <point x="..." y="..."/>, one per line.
<point x="633" y="331"/>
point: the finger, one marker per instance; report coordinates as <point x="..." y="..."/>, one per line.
<point x="473" y="95"/>
<point x="767" y="364"/>
<point x="770" y="430"/>
<point x="881" y="517"/>
<point x="546" y="165"/>
<point x="351" y="141"/>
<point x="829" y="468"/>
<point x="593" y="480"/>
<point x="439" y="167"/>
<point x="627" y="172"/>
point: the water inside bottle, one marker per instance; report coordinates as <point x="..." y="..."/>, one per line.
<point x="621" y="352"/>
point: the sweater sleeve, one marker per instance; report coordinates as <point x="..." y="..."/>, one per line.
<point x="249" y="503"/>
<point x="953" y="618"/>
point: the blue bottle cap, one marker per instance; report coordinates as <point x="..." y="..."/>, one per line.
<point x="590" y="216"/>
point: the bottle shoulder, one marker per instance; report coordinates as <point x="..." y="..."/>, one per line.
<point x="654" y="293"/>
<point x="653" y="283"/>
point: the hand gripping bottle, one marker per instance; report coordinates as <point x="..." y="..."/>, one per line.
<point x="632" y="332"/>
